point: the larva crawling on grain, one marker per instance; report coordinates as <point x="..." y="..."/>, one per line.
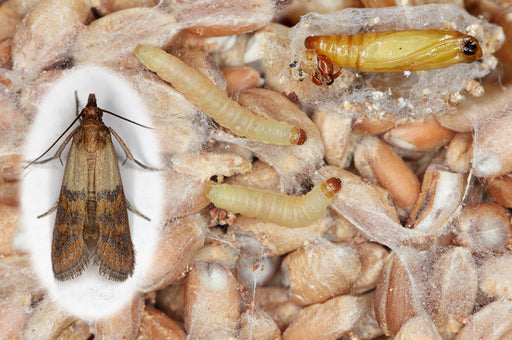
<point x="270" y="206"/>
<point x="395" y="51"/>
<point x="215" y="102"/>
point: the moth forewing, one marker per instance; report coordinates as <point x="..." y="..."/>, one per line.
<point x="114" y="250"/>
<point x="69" y="250"/>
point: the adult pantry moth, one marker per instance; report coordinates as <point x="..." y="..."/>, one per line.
<point x="91" y="203"/>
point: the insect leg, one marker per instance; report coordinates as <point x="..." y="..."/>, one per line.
<point x="52" y="209"/>
<point x="128" y="153"/>
<point x="135" y="211"/>
<point x="57" y="154"/>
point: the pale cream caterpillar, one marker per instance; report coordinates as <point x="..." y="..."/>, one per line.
<point x="271" y="206"/>
<point x="214" y="102"/>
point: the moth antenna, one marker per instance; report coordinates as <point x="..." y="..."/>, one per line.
<point x="51" y="146"/>
<point x="123" y="118"/>
<point x="77" y="104"/>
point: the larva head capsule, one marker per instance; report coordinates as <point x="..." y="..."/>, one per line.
<point x="311" y="42"/>
<point x="298" y="136"/>
<point x="331" y="186"/>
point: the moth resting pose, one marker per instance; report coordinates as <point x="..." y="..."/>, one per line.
<point x="91" y="203"/>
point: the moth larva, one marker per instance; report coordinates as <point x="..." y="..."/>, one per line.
<point x="271" y="206"/>
<point x="215" y="102"/>
<point x="397" y="51"/>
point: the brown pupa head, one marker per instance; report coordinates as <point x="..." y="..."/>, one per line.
<point x="471" y="48"/>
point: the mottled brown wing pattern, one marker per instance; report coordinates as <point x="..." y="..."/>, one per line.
<point x="114" y="251"/>
<point x="69" y="250"/>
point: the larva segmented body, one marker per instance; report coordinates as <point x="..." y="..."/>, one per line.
<point x="215" y="102"/>
<point x="270" y="206"/>
<point x="397" y="51"/>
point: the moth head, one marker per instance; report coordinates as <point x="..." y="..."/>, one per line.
<point x="91" y="112"/>
<point x="91" y="101"/>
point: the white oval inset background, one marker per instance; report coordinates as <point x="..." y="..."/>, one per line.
<point x="91" y="296"/>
